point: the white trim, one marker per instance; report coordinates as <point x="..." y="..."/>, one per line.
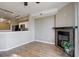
<point x="15" y="46"/>
<point x="24" y="44"/>
<point x="44" y="42"/>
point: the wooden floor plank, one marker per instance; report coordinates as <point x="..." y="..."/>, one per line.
<point x="36" y="49"/>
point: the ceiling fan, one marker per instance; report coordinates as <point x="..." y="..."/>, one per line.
<point x="26" y="3"/>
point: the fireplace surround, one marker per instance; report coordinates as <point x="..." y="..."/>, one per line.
<point x="65" y="34"/>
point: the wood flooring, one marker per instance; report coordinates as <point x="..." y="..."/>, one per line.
<point x="35" y="49"/>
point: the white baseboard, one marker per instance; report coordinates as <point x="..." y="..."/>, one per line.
<point x="15" y="46"/>
<point x="44" y="42"/>
<point x="24" y="44"/>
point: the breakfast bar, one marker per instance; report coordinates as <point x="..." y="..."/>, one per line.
<point x="12" y="39"/>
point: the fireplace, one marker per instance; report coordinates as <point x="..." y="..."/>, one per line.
<point x="62" y="36"/>
<point x="65" y="34"/>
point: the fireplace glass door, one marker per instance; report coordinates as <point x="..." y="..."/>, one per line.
<point x="62" y="36"/>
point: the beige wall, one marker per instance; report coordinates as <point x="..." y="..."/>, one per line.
<point x="14" y="22"/>
<point x="4" y="26"/>
<point x="66" y="16"/>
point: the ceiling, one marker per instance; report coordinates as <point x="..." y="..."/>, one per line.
<point x="18" y="8"/>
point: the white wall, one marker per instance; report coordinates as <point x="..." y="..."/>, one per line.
<point x="77" y="30"/>
<point x="9" y="39"/>
<point x="43" y="29"/>
<point x="3" y="41"/>
<point x="76" y="24"/>
<point x="31" y="27"/>
<point x="66" y="16"/>
<point x="15" y="39"/>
